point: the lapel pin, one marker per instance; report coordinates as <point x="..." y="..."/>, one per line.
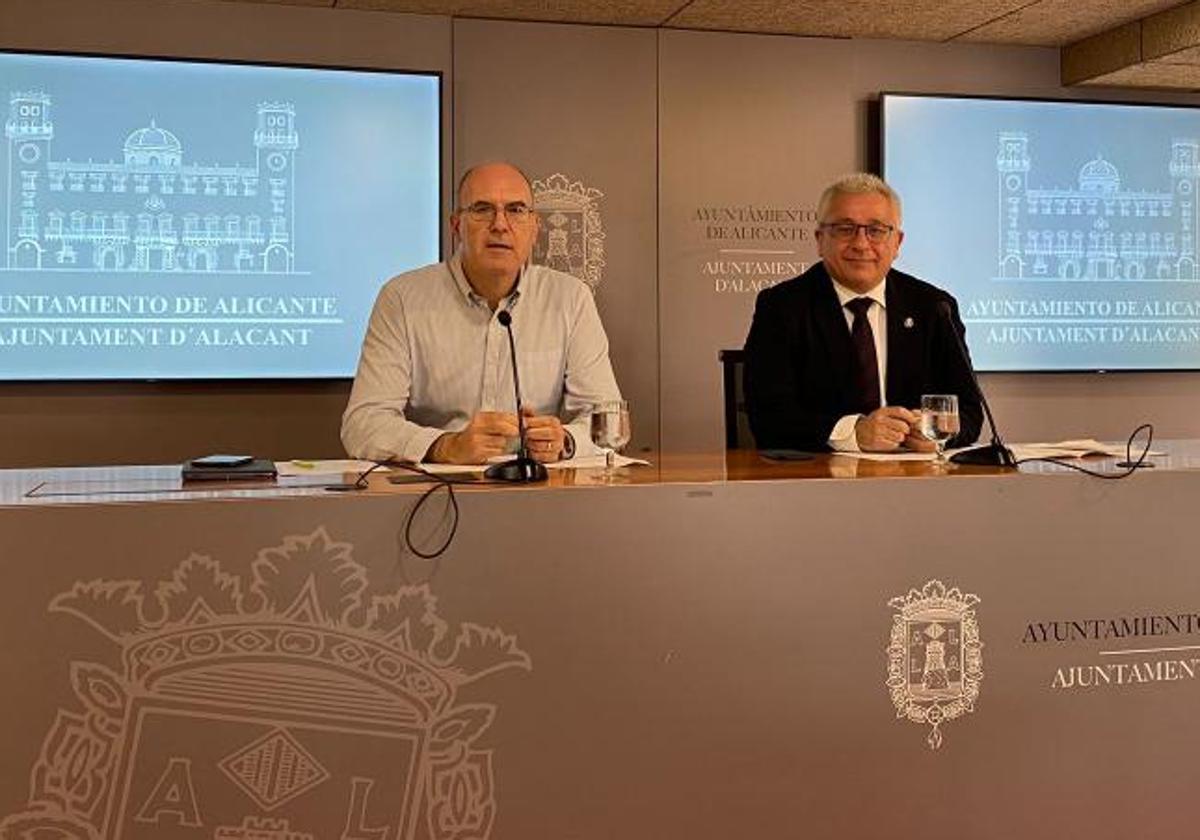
<point x="908" y="323"/>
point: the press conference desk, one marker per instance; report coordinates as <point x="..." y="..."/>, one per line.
<point x="698" y="649"/>
<point x="103" y="485"/>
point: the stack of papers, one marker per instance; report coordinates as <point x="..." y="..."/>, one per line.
<point x="1021" y="451"/>
<point x="583" y="462"/>
<point x="326" y="467"/>
<point x="1077" y="449"/>
<point x="341" y="467"/>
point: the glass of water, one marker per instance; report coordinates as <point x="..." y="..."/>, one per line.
<point x="939" y="421"/>
<point x="610" y="429"/>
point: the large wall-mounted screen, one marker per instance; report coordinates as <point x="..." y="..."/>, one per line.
<point x="1067" y="230"/>
<point x="185" y="220"/>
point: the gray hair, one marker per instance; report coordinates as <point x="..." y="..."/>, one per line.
<point x="858" y="183"/>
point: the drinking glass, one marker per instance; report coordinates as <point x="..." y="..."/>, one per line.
<point x="610" y="430"/>
<point x="939" y="422"/>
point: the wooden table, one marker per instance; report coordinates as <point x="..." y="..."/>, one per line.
<point x="115" y="484"/>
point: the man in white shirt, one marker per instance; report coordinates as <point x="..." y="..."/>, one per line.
<point x="435" y="380"/>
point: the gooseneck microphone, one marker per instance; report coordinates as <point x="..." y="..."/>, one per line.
<point x="522" y="468"/>
<point x="996" y="454"/>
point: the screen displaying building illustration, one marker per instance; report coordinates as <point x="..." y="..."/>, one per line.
<point x="152" y="210"/>
<point x="1099" y="229"/>
<point x="1067" y="231"/>
<point x="171" y="219"/>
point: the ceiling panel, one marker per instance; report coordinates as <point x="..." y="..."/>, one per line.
<point x="1052" y="23"/>
<point x="326" y="3"/>
<point x="1159" y="50"/>
<point x="1151" y="74"/>
<point x="1189" y="56"/>
<point x="1100" y="54"/>
<point x="627" y="12"/>
<point x="1130" y="43"/>
<point x="1171" y="31"/>
<point x="922" y="20"/>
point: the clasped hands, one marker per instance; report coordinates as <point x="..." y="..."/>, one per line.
<point x="492" y="433"/>
<point x="888" y="428"/>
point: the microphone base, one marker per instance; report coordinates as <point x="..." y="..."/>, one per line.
<point x="994" y="455"/>
<point x="520" y="470"/>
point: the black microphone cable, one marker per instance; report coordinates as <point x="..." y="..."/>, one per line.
<point x="360" y="482"/>
<point x="440" y="482"/>
<point x="1129" y="465"/>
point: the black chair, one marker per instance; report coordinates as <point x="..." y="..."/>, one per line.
<point x="737" y="422"/>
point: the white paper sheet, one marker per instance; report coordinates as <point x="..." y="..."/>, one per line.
<point x="301" y="466"/>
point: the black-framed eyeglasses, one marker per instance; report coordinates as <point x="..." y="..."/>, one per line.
<point x="517" y="212"/>
<point x="845" y="231"/>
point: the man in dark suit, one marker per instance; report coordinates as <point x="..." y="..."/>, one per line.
<point x="839" y="357"/>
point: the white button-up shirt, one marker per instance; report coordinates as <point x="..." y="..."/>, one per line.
<point x="434" y="355"/>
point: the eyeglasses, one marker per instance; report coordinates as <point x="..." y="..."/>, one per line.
<point x="517" y="212"/>
<point x="845" y="231"/>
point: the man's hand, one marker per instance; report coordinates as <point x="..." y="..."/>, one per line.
<point x="488" y="434"/>
<point x="545" y="436"/>
<point x="885" y="429"/>
<point x="917" y="442"/>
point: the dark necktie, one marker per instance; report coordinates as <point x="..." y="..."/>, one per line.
<point x="866" y="365"/>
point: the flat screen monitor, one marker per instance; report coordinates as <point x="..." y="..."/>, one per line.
<point x="184" y="220"/>
<point x="1067" y="230"/>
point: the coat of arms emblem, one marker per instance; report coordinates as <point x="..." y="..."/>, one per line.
<point x="296" y="702"/>
<point x="571" y="238"/>
<point x="935" y="659"/>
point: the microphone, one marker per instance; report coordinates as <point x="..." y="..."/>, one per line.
<point x="995" y="454"/>
<point x="522" y="468"/>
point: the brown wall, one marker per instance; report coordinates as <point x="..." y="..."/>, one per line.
<point x="666" y="125"/>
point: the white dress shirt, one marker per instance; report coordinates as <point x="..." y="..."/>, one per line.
<point x="842" y="437"/>
<point x="434" y="355"/>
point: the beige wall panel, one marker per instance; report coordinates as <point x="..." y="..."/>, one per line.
<point x="578" y="101"/>
<point x="111" y="423"/>
<point x="749" y="125"/>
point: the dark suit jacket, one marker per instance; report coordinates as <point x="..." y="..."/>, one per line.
<point x="798" y="376"/>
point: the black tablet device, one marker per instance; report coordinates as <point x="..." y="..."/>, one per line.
<point x="228" y="468"/>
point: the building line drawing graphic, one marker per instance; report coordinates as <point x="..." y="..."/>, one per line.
<point x="1100" y="228"/>
<point x="153" y="210"/>
<point x="291" y="702"/>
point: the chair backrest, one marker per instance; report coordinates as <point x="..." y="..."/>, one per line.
<point x="737" y="422"/>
